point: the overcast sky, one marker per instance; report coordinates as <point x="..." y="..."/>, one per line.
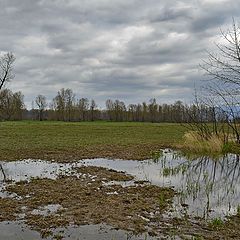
<point x="131" y="50"/>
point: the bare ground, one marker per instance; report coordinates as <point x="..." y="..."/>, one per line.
<point x="87" y="200"/>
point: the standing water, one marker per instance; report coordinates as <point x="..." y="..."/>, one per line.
<point x="206" y="187"/>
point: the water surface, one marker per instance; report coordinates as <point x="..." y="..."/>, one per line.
<point x="206" y="187"/>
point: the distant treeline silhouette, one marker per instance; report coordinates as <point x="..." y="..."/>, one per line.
<point x="66" y="107"/>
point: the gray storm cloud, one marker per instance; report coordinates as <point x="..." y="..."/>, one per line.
<point x="131" y="50"/>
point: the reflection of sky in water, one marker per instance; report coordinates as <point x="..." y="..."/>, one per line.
<point x="26" y="169"/>
<point x="210" y="188"/>
<point x="18" y="230"/>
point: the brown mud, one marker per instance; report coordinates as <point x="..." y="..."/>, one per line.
<point x="128" y="152"/>
<point x="86" y="199"/>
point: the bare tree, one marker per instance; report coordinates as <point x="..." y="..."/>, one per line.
<point x="223" y="69"/>
<point x="11" y="105"/>
<point x="41" y="104"/>
<point x="119" y="110"/>
<point x="93" y="107"/>
<point x="153" y="107"/>
<point x="59" y="104"/>
<point x="6" y="68"/>
<point x="83" y="105"/>
<point x="69" y="103"/>
<point x="110" y="109"/>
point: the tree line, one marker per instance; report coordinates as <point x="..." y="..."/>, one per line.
<point x="66" y="107"/>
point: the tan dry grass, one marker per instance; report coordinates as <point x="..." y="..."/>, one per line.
<point x="195" y="143"/>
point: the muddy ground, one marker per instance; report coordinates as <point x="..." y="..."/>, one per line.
<point x="94" y="195"/>
<point x="88" y="199"/>
<point x="128" y="152"/>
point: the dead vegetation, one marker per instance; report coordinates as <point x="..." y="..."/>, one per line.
<point x="84" y="199"/>
<point x="193" y="142"/>
<point x="9" y="208"/>
<point x="87" y="199"/>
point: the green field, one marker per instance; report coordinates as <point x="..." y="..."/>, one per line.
<point x="64" y="141"/>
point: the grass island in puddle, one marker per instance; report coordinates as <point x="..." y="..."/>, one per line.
<point x="167" y="196"/>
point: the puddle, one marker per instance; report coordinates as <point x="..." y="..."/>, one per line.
<point x="18" y="230"/>
<point x="27" y="169"/>
<point x="207" y="188"/>
<point x="102" y="232"/>
<point x="122" y="183"/>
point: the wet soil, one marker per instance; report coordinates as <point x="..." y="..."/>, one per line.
<point x="134" y="151"/>
<point x="49" y="196"/>
<point x="85" y="199"/>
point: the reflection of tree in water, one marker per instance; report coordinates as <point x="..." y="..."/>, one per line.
<point x="206" y="183"/>
<point x="3" y="172"/>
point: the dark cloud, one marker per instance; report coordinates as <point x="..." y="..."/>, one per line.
<point x="131" y="50"/>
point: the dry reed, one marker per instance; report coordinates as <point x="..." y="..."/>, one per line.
<point x="195" y="143"/>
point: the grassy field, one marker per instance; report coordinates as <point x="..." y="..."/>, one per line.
<point x="70" y="141"/>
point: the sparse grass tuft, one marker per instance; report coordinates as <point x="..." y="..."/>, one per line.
<point x="216" y="223"/>
<point x="238" y="210"/>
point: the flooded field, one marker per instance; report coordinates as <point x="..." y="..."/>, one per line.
<point x="205" y="188"/>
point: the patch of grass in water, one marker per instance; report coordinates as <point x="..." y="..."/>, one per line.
<point x="156" y="155"/>
<point x="238" y="210"/>
<point x="58" y="237"/>
<point x="162" y="201"/>
<point x="167" y="171"/>
<point x="197" y="238"/>
<point x="216" y="223"/>
<point x="171" y="171"/>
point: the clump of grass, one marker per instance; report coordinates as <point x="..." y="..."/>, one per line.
<point x="195" y="143"/>
<point x="231" y="147"/>
<point x="162" y="201"/>
<point x="238" y="210"/>
<point x="216" y="223"/>
<point x="156" y="155"/>
<point x="167" y="172"/>
<point x="58" y="237"/>
<point x="197" y="238"/>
